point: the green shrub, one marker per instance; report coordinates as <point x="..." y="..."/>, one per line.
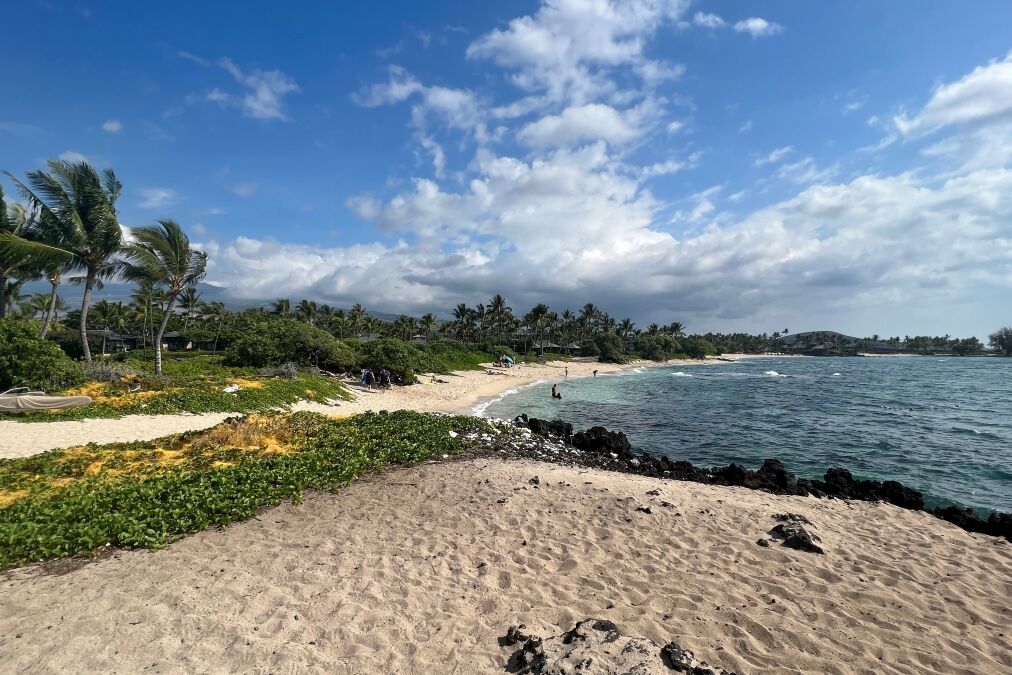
<point x="403" y="360"/>
<point x="610" y="348"/>
<point x="698" y="348"/>
<point x="657" y="347"/>
<point x="26" y="360"/>
<point x="275" y="341"/>
<point x="444" y="356"/>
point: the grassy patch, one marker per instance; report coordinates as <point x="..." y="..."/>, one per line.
<point x="194" y="384"/>
<point x="79" y="500"/>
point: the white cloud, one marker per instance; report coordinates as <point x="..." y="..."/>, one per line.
<point x="706" y="20"/>
<point x="593" y="121"/>
<point x="72" y="156"/>
<point x="244" y="189"/>
<point x="852" y="106"/>
<point x="758" y="27"/>
<point x="775" y="156"/>
<point x="572" y="219"/>
<point x="112" y="126"/>
<point x="156" y="198"/>
<point x="983" y="95"/>
<point x="746" y="126"/>
<point x="674" y="126"/>
<point x="562" y="48"/>
<point x="264" y="94"/>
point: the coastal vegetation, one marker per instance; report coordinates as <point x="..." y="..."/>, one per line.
<point x="79" y="500"/>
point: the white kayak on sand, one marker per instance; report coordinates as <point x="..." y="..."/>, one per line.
<point x="22" y="400"/>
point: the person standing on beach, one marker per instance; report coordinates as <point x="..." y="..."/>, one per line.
<point x="567" y="372"/>
<point x="595" y="373"/>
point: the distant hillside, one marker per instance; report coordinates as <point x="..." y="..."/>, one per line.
<point x="817" y="336"/>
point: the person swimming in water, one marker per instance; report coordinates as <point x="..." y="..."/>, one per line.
<point x="555" y="391"/>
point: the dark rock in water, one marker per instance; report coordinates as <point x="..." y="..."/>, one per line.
<point x="732" y="474"/>
<point x="900" y="495"/>
<point x="774" y="473"/>
<point x="601" y="441"/>
<point x="998" y="524"/>
<point x="794" y="535"/>
<point x="791" y="518"/>
<point x="539" y="427"/>
<point x="560" y="429"/>
<point x="597" y="646"/>
<point x="839" y="481"/>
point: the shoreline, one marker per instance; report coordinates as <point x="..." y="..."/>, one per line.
<point x="457" y="393"/>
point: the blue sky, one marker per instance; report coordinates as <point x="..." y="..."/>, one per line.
<point x="734" y="165"/>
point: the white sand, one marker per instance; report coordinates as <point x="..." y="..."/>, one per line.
<point x="459" y="394"/>
<point x="419" y="570"/>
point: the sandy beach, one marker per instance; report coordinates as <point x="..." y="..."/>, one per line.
<point x="420" y="570"/>
<point x="456" y="393"/>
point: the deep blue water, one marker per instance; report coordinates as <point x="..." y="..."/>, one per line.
<point x="940" y="425"/>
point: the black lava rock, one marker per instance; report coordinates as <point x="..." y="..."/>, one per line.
<point x="794" y="535"/>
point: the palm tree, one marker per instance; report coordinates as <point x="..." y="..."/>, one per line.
<point x="282" y="307"/>
<point x="14" y="260"/>
<point x="536" y="321"/>
<point x="214" y="311"/>
<point x="677" y="329"/>
<point x="73" y="198"/>
<point x="500" y="314"/>
<point x="162" y="255"/>
<point x="143" y="300"/>
<point x="307" y="311"/>
<point x="427" y="323"/>
<point x="189" y="300"/>
<point x="106" y="315"/>
<point x="356" y="317"/>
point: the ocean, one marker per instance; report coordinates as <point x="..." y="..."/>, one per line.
<point x="940" y="425"/>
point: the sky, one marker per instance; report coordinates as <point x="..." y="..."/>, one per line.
<point x="737" y="166"/>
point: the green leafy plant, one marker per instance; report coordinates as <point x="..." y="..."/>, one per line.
<point x="80" y="500"/>
<point x="27" y="360"/>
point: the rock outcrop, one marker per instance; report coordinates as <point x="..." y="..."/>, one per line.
<point x="597" y="646"/>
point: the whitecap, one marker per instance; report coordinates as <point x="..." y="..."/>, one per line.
<point x="640" y="369"/>
<point x="773" y="373"/>
<point x="480" y="409"/>
<point x="836" y="375"/>
<point x="680" y="374"/>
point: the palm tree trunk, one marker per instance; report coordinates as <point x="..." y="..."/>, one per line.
<point x="89" y="284"/>
<point x="161" y="331"/>
<point x="51" y="312"/>
<point x="3" y="296"/>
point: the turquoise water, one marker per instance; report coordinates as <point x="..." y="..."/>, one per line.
<point x="940" y="425"/>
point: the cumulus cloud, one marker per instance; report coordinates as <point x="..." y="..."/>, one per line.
<point x="564" y="48"/>
<point x="156" y="197"/>
<point x="566" y="215"/>
<point x="983" y="95"/>
<point x="112" y="126"/>
<point x="593" y="121"/>
<point x="264" y="94"/>
<point x="758" y="27"/>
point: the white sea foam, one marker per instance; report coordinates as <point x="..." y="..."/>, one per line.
<point x="773" y="373"/>
<point x="836" y="374"/>
<point x="479" y="410"/>
<point x="680" y="374"/>
<point x="639" y="369"/>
